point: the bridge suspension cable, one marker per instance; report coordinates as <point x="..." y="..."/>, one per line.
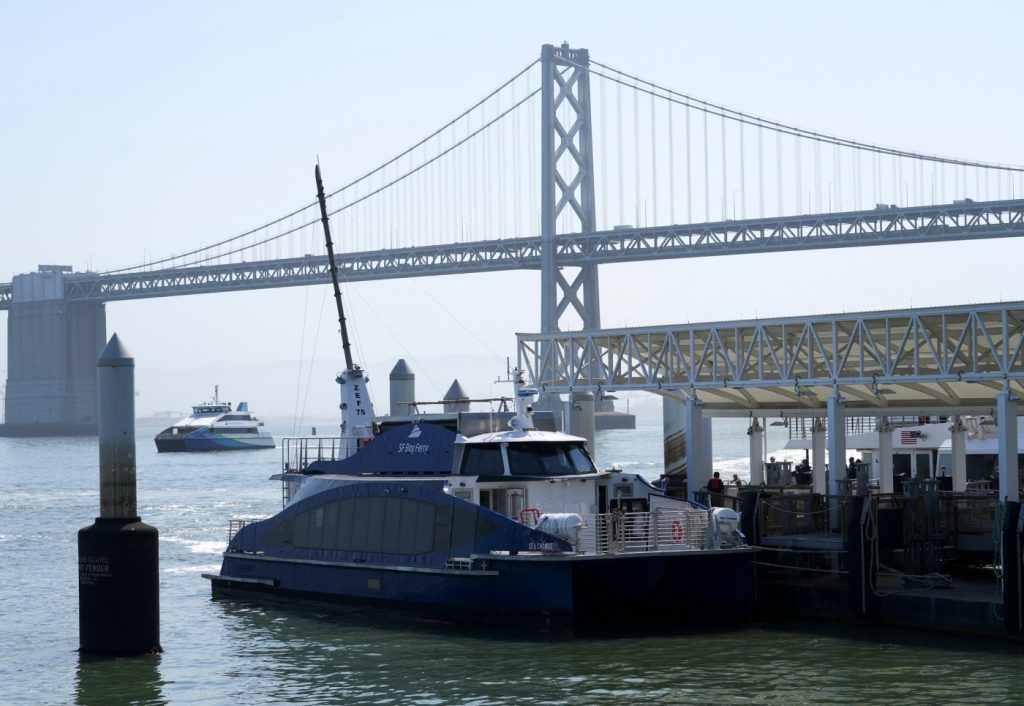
<point x="717" y="163"/>
<point x="418" y="160"/>
<point x="757" y="121"/>
<point x="661" y="155"/>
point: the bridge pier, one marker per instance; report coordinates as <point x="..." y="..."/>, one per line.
<point x="52" y="345"/>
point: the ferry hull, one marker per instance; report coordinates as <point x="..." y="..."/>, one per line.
<point x="210" y="443"/>
<point x="537" y="591"/>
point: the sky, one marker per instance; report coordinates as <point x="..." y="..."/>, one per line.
<point x="129" y="131"/>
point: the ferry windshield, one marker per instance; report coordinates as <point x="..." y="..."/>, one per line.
<point x="548" y="459"/>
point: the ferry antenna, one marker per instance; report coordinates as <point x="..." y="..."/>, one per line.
<point x="334" y="268"/>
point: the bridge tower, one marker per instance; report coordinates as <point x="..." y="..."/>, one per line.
<point x="52" y="347"/>
<point x="567" y="182"/>
<point x="567" y="193"/>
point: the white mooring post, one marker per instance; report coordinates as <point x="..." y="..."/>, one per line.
<point x="756" y="433"/>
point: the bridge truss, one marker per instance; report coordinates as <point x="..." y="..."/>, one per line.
<point x="957" y="359"/>
<point x="887" y="226"/>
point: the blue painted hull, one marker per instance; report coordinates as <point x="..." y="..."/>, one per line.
<point x="539" y="591"/>
<point x="210" y="442"/>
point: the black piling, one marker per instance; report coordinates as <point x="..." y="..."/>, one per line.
<point x="1013" y="591"/>
<point x="118" y="555"/>
<point x="749" y="520"/>
<point x="861" y="538"/>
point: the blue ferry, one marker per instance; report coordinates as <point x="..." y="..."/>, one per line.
<point x="215" y="426"/>
<point x="514" y="526"/>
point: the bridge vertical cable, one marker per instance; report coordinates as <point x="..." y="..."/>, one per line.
<point x="452" y="186"/>
<point x="477" y="178"/>
<point x="808" y="172"/>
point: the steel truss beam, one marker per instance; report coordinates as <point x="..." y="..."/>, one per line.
<point x="971" y="221"/>
<point x="911" y="359"/>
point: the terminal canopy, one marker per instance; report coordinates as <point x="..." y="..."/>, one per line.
<point x="955" y="359"/>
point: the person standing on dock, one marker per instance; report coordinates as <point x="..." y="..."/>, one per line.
<point x="851" y="470"/>
<point x="716" y="488"/>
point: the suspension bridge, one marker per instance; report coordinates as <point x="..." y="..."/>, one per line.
<point x="568" y="165"/>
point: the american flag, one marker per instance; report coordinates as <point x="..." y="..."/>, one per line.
<point x="909" y="437"/>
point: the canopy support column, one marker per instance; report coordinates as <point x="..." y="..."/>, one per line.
<point x="697" y="472"/>
<point x="1009" y="478"/>
<point x="884" y="460"/>
<point x="958" y="441"/>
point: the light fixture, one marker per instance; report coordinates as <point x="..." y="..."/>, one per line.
<point x="879" y="391"/>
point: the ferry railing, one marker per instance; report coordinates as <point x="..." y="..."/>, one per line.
<point x="234" y="527"/>
<point x="297" y="452"/>
<point x="638" y="532"/>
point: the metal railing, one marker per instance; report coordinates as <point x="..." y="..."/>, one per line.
<point x="235" y="526"/>
<point x="794" y="513"/>
<point x="297" y="452"/>
<point x="637" y="532"/>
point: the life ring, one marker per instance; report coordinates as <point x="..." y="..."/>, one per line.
<point x="677" y="531"/>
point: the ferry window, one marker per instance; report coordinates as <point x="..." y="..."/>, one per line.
<point x="547" y="459"/>
<point x="360" y="523"/>
<point x="392" y="525"/>
<point x="345" y="520"/>
<point x="388" y="525"/>
<point x="330" y="537"/>
<point x="463" y="526"/>
<point x="416" y="527"/>
<point x="504" y="501"/>
<point x="482" y="460"/>
<point x="375" y="532"/>
<point x="300" y="531"/>
<point x="443" y="527"/>
<point x="580" y="460"/>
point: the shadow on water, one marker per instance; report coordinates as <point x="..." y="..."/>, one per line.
<point x="340" y="654"/>
<point x="102" y="681"/>
<point x="377" y="618"/>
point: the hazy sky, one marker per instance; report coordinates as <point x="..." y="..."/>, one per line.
<point x="134" y="130"/>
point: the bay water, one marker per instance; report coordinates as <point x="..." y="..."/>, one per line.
<point x="268" y="652"/>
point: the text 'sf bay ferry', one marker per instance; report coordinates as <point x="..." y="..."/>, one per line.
<point x="214" y="426"/>
<point x="504" y="522"/>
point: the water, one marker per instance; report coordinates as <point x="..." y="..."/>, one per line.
<point x="224" y="652"/>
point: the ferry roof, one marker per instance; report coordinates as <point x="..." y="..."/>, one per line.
<point x="519" y="437"/>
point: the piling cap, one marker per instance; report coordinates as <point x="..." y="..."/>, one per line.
<point x="115" y="354"/>
<point x="455" y="392"/>
<point x="401" y="371"/>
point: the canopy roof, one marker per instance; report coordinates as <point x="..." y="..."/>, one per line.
<point x="953" y="359"/>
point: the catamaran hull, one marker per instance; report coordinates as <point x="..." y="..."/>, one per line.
<point x="538" y="591"/>
<point x="212" y="443"/>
